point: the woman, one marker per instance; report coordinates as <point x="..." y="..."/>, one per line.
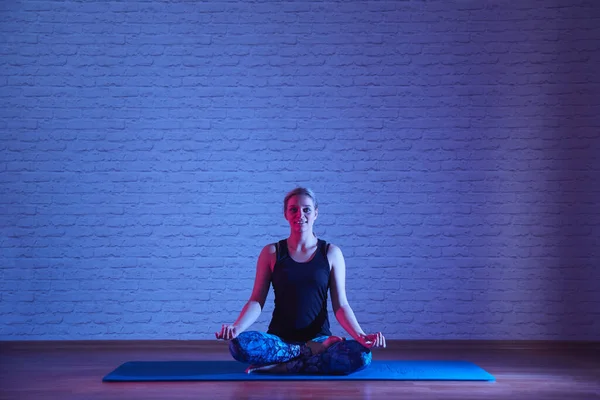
<point x="302" y="268"/>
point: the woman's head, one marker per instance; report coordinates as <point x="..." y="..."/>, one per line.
<point x="300" y="191"/>
<point x="300" y="209"/>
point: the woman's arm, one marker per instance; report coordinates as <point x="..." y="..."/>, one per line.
<point x="341" y="308"/>
<point x="255" y="304"/>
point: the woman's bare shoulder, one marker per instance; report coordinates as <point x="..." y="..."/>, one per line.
<point x="271" y="248"/>
<point x="333" y="249"/>
<point x="335" y="256"/>
<point x="268" y="256"/>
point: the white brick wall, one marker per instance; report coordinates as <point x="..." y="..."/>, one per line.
<point x="146" y="146"/>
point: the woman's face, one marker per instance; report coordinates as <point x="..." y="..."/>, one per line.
<point x="301" y="213"/>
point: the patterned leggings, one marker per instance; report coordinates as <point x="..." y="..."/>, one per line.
<point x="259" y="348"/>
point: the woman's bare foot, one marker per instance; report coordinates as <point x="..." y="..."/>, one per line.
<point x="316" y="347"/>
<point x="273" y="368"/>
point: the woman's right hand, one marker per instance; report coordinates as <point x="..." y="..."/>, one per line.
<point x="228" y="332"/>
<point x="373" y="340"/>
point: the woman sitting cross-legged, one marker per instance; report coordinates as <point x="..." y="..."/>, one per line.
<point x="302" y="269"/>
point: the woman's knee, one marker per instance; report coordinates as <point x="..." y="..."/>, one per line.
<point x="236" y="351"/>
<point x="238" y="347"/>
<point x="348" y="357"/>
<point x="360" y="354"/>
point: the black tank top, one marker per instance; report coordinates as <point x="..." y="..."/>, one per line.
<point x="300" y="312"/>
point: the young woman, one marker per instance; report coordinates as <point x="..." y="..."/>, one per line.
<point x="302" y="269"/>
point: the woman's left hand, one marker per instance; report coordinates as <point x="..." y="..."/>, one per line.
<point x="372" y="340"/>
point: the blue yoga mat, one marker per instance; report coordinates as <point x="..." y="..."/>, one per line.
<point x="136" y="371"/>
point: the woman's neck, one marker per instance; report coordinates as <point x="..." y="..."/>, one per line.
<point x="301" y="240"/>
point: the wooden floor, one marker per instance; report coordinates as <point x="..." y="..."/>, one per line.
<point x="524" y="370"/>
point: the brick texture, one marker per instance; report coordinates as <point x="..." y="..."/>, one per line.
<point x="146" y="147"/>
